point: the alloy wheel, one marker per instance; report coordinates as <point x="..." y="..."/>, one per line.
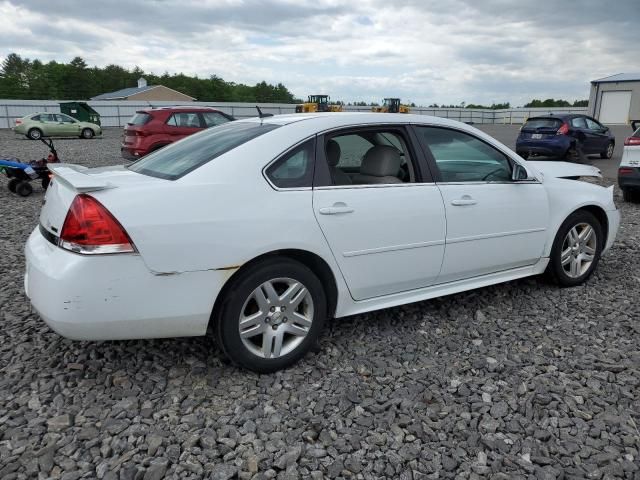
<point x="610" y="150"/>
<point x="276" y="318"/>
<point x="578" y="250"/>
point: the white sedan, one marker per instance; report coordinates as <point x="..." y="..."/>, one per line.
<point x="259" y="229"/>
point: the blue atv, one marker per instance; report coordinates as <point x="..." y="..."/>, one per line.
<point x="21" y="174"/>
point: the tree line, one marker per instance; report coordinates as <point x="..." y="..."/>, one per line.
<point x="22" y="78"/>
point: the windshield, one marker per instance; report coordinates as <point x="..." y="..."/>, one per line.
<point x="180" y="158"/>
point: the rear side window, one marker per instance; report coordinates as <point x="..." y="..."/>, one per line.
<point x="139" y="119"/>
<point x="295" y="168"/>
<point x="184" y="120"/>
<point x="536" y="123"/>
<point x="180" y="158"/>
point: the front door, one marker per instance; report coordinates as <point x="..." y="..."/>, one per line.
<point x="493" y="223"/>
<point x="383" y="219"/>
<point x="67" y="126"/>
<point x="598" y="137"/>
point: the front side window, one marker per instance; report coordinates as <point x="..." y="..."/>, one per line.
<point x="461" y="157"/>
<point x="212" y="119"/>
<point x="593" y="125"/>
<point x="180" y="158"/>
<point x="65" y="118"/>
<point x="295" y="168"/>
<point x="184" y="120"/>
<point x="369" y="157"/>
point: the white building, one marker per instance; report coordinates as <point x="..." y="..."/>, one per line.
<point x="616" y="99"/>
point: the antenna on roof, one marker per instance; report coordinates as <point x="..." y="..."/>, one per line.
<point x="263" y="115"/>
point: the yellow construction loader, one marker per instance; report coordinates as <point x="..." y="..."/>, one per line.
<point x="391" y="105"/>
<point x="318" y="103"/>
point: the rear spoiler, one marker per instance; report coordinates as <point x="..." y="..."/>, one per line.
<point x="75" y="177"/>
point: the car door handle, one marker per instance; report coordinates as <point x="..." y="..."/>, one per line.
<point x="336" y="209"/>
<point x="464" y="200"/>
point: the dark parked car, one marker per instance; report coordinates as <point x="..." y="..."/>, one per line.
<point x="564" y="136"/>
<point x="153" y="128"/>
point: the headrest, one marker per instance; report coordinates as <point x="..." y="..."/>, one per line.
<point x="333" y="153"/>
<point x="381" y="161"/>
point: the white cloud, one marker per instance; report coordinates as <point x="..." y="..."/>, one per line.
<point x="422" y="51"/>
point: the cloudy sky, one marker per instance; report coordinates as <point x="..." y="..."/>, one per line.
<point x="443" y="51"/>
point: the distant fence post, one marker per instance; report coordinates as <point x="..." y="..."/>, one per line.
<point x="118" y="113"/>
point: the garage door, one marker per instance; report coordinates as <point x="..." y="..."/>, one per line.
<point x="614" y="107"/>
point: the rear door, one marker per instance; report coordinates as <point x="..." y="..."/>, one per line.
<point x="182" y="124"/>
<point x="384" y="219"/>
<point x="49" y="124"/>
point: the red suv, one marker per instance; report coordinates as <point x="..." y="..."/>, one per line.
<point x="153" y="128"/>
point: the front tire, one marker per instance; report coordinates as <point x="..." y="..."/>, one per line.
<point x="87" y="133"/>
<point x="576" y="249"/>
<point x="34" y="134"/>
<point x="272" y="316"/>
<point x="608" y="153"/>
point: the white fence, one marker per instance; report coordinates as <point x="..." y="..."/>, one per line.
<point x="117" y="113"/>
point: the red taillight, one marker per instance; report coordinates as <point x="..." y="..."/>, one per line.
<point x="90" y="228"/>
<point x="625" y="171"/>
<point x="18" y="121"/>
<point x="632" y="141"/>
<point x="563" y="130"/>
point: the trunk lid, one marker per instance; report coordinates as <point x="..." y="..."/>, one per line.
<point x="70" y="180"/>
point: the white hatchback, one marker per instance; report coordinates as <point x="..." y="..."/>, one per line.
<point x="260" y="229"/>
<point x="629" y="170"/>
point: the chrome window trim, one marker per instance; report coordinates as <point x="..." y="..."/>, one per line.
<point x="380" y="185"/>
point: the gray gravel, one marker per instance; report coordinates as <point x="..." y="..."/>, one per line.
<point x="520" y="380"/>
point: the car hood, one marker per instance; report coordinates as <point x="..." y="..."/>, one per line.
<point x="564" y="169"/>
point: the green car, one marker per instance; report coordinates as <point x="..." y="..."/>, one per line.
<point x="38" y="125"/>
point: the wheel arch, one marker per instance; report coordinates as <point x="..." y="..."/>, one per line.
<point x="601" y="215"/>
<point x="314" y="262"/>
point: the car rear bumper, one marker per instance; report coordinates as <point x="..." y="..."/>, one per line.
<point x="129" y="153"/>
<point x="630" y="180"/>
<point x="115" y="297"/>
<point x="556" y="146"/>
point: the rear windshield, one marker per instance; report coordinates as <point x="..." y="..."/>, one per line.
<point x="139" y="119"/>
<point x="535" y="123"/>
<point x="180" y="158"/>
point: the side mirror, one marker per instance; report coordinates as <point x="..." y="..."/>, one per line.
<point x="519" y="173"/>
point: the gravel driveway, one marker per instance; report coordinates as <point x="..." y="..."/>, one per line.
<point x="519" y="380"/>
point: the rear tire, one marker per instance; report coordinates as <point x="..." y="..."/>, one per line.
<point x="34" y="134"/>
<point x="629" y="195"/>
<point x="87" y="134"/>
<point x="608" y="153"/>
<point x="13" y="183"/>
<point x="24" y="189"/>
<point x="276" y="331"/>
<point x="576" y="249"/>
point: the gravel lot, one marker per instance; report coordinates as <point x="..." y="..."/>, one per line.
<point x="520" y="380"/>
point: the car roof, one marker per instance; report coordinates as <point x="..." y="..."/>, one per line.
<point x="559" y="116"/>
<point x="337" y="119"/>
<point x="178" y="108"/>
